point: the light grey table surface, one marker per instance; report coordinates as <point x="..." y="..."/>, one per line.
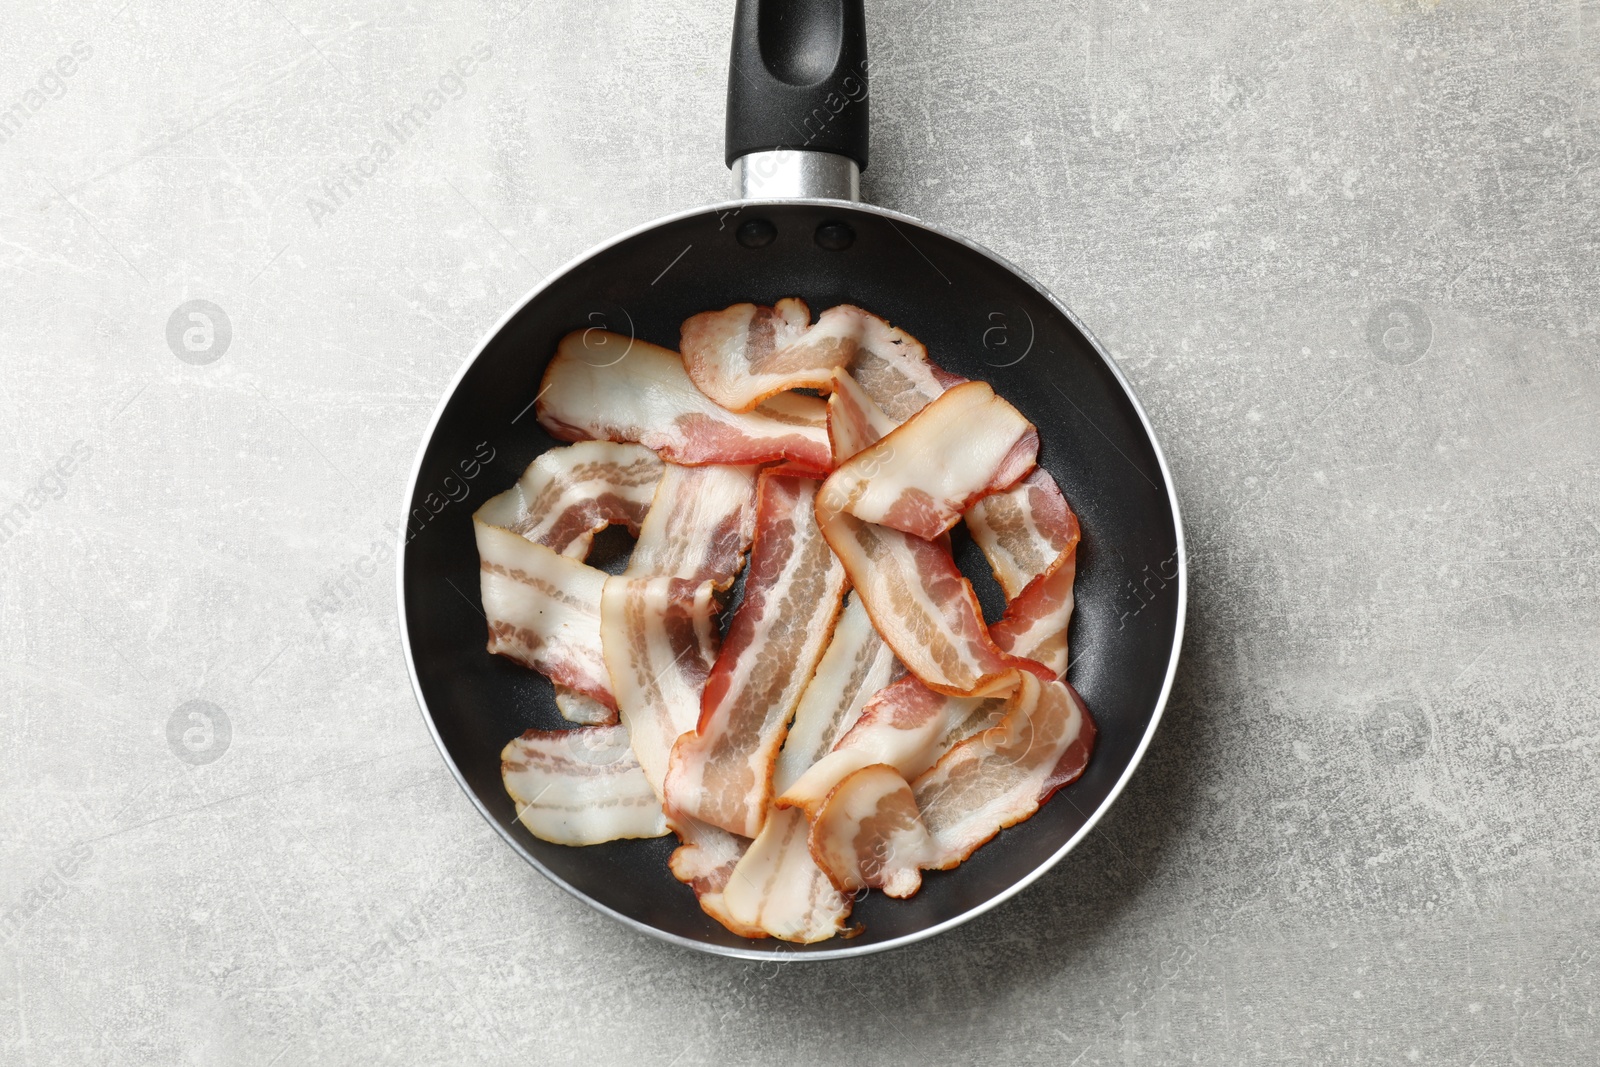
<point x="1345" y="250"/>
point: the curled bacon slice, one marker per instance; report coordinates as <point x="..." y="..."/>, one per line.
<point x="1030" y="537"/>
<point x="870" y="834"/>
<point x="743" y="354"/>
<point x="921" y="603"/>
<point x="777" y="887"/>
<point x="919" y="478"/>
<point x="999" y="777"/>
<point x="543" y="610"/>
<point x="722" y="773"/>
<point x="580" y="787"/>
<point x="569" y="494"/>
<point x="601" y="385"/>
<point x="699" y="526"/>
<point x="659" y="639"/>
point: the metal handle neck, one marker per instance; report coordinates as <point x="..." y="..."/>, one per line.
<point x="783" y="173"/>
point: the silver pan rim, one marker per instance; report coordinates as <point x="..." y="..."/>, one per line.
<point x="845" y="951"/>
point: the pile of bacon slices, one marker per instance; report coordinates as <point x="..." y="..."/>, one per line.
<point x="859" y="722"/>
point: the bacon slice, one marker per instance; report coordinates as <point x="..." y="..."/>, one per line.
<point x="907" y="726"/>
<point x="1030" y="537"/>
<point x="869" y="834"/>
<point x="744" y="354"/>
<point x="580" y="787"/>
<point x="543" y="610"/>
<point x="1000" y="777"/>
<point x="921" y="604"/>
<point x="645" y="396"/>
<point x="699" y="526"/>
<point x="722" y="773"/>
<point x="568" y="495"/>
<point x="919" y="478"/>
<point x="777" y="887"/>
<point x="659" y="639"/>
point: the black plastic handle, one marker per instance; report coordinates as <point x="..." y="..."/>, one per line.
<point x="798" y="78"/>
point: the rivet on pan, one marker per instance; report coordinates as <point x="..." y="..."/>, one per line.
<point x="757" y="233"/>
<point x="835" y="236"/>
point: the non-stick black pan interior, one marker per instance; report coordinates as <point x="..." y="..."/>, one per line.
<point x="979" y="319"/>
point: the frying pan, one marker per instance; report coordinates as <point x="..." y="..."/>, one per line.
<point x="797" y="140"/>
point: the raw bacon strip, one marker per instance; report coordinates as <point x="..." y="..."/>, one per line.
<point x="699" y="526"/>
<point x="722" y="773"/>
<point x="1030" y="537"/>
<point x="645" y="396"/>
<point x="543" y="610"/>
<point x="659" y="639"/>
<point x="921" y="604"/>
<point x="580" y="787"/>
<point x="854" y="420"/>
<point x="743" y="354"/>
<point x="870" y="834"/>
<point x="1000" y="777"/>
<point x="584" y="710"/>
<point x="920" y="477"/>
<point x="906" y="726"/>
<point x="777" y="888"/>
<point x="568" y="495"/>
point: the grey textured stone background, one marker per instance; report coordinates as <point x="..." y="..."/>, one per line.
<point x="1345" y="250"/>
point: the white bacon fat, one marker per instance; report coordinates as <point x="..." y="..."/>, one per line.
<point x="604" y="386"/>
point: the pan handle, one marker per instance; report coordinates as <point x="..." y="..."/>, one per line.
<point x="797" y="98"/>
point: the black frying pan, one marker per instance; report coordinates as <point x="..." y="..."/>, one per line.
<point x="797" y="133"/>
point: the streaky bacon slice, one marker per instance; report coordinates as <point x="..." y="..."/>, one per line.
<point x="659" y="637"/>
<point x="744" y="354"/>
<point x="1030" y="537"/>
<point x="921" y="603"/>
<point x="722" y="773"/>
<point x="602" y="385"/>
<point x="699" y="526"/>
<point x="907" y="726"/>
<point x="999" y="777"/>
<point x="569" y="494"/>
<point x="543" y="610"/>
<point x="919" y="478"/>
<point x="777" y="887"/>
<point x="855" y="421"/>
<point x="580" y="787"/>
<point x="869" y="834"/>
